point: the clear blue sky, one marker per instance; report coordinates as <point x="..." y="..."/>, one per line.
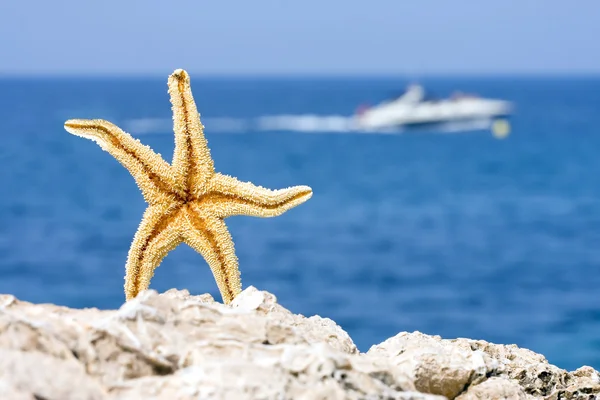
<point x="299" y="36"/>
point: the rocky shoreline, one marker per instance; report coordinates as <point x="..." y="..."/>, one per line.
<point x="177" y="346"/>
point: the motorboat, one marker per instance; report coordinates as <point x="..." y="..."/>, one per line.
<point x="416" y="109"/>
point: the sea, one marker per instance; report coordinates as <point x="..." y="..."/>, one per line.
<point x="449" y="231"/>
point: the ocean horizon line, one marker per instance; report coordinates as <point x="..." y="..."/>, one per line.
<point x="81" y="75"/>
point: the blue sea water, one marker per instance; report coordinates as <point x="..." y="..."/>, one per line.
<point x="456" y="234"/>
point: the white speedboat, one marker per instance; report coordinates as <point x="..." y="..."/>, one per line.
<point x="414" y="109"/>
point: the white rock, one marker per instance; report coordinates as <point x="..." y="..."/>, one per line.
<point x="177" y="346"/>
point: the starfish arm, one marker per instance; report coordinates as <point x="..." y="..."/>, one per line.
<point x="227" y="196"/>
<point x="152" y="174"/>
<point x="209" y="236"/>
<point x="158" y="234"/>
<point x="191" y="158"/>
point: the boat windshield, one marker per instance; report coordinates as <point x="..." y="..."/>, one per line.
<point x="414" y="93"/>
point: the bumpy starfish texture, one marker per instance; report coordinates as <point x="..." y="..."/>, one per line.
<point x="187" y="200"/>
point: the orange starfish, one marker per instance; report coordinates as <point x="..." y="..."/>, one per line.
<point x="187" y="200"/>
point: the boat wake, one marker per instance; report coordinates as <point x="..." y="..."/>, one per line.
<point x="414" y="110"/>
<point x="305" y="123"/>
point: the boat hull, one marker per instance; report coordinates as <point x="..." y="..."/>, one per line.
<point x="428" y="114"/>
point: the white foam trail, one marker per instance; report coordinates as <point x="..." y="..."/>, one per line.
<point x="306" y="123"/>
<point x="142" y="126"/>
<point x="145" y="126"/>
<point x="230" y="125"/>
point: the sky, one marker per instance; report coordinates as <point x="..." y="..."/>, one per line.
<point x="307" y="37"/>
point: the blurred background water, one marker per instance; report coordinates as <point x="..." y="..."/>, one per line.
<point x="450" y="233"/>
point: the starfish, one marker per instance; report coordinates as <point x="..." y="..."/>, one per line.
<point x="187" y="200"/>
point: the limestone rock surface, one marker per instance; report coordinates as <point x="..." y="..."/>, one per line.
<point x="177" y="346"/>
